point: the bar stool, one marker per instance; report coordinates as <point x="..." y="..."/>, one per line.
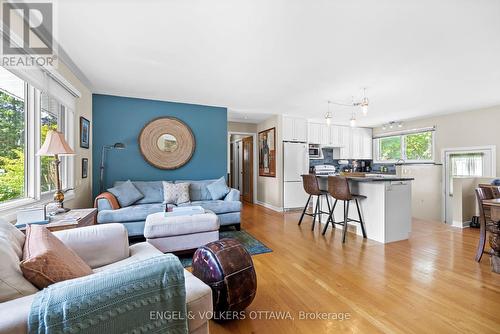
<point x="338" y="188"/>
<point x="483" y="193"/>
<point x="311" y="187"/>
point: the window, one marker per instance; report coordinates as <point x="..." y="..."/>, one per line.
<point x="12" y="137"/>
<point x="410" y="147"/>
<point x="50" y="119"/>
<point x="26" y="115"/>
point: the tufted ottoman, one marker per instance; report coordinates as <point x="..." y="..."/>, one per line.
<point x="179" y="233"/>
<point x="227" y="267"/>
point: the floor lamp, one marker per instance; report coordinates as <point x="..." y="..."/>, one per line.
<point x="105" y="148"/>
<point x="54" y="146"/>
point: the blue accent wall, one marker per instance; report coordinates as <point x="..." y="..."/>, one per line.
<point x="120" y="119"/>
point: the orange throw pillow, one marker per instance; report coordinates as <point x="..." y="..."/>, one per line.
<point x="46" y="260"/>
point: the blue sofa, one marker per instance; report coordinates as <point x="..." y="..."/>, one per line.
<point x="134" y="216"/>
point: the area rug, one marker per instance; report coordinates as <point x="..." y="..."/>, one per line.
<point x="252" y="245"/>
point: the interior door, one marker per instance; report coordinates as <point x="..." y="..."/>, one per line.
<point x="470" y="163"/>
<point x="247" y="170"/>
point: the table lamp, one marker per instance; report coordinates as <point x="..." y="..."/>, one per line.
<point x="55" y="145"/>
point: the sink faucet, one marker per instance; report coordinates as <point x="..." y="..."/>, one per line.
<point x="400" y="162"/>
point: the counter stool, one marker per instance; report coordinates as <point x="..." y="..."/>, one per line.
<point x="338" y="188"/>
<point x="311" y="187"/>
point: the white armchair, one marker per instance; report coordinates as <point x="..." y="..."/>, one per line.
<point x="102" y="247"/>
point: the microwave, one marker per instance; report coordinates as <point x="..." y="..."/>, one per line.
<point x="315" y="151"/>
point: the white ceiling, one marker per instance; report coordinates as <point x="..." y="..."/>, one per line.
<point x="261" y="57"/>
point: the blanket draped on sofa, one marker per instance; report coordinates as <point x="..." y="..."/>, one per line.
<point x="145" y="296"/>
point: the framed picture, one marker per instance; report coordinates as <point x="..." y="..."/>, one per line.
<point x="84" y="132"/>
<point x="85" y="168"/>
<point x="267" y="152"/>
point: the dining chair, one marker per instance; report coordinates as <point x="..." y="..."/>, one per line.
<point x="482" y="193"/>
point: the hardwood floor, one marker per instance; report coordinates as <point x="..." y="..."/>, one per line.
<point x="427" y="284"/>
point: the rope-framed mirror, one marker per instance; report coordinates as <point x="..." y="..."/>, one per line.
<point x="167" y="143"/>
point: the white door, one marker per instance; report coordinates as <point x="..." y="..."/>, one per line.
<point x="463" y="163"/>
<point x="295" y="161"/>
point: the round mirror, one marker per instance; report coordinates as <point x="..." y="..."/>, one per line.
<point x="167" y="143"/>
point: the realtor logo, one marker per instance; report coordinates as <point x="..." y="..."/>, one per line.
<point x="28" y="34"/>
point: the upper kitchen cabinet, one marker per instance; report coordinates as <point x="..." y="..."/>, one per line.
<point x="294" y="129"/>
<point x="314" y="133"/>
<point x="325" y="135"/>
<point x="361" y="143"/>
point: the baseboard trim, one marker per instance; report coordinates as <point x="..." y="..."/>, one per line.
<point x="460" y="224"/>
<point x="269" y="206"/>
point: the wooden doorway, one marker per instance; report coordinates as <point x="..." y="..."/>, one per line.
<point x="247" y="170"/>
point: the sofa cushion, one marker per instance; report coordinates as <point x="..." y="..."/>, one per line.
<point x="152" y="191"/>
<point x="126" y="193"/>
<point x="218" y="207"/>
<point x="198" y="190"/>
<point x="218" y="189"/>
<point x="12" y="282"/>
<point x="137" y="212"/>
<point x="46" y="260"/>
<point x="175" y="193"/>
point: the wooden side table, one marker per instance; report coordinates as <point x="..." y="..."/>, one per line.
<point x="72" y="219"/>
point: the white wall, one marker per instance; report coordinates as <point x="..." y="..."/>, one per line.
<point x="270" y="189"/>
<point x="83" y="187"/>
<point x="465" y="129"/>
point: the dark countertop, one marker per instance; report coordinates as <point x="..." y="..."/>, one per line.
<point x="374" y="178"/>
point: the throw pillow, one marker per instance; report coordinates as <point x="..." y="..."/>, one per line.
<point x="175" y="193"/>
<point x="47" y="260"/>
<point x="12" y="283"/>
<point x="218" y="189"/>
<point x="126" y="193"/>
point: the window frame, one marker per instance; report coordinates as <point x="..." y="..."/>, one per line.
<point x="402" y="137"/>
<point x="32" y="163"/>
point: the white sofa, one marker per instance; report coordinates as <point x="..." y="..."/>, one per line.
<point x="102" y="247"/>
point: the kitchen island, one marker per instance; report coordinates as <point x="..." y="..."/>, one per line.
<point x="386" y="211"/>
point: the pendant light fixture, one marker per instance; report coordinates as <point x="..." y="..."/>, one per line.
<point x="364" y="103"/>
<point x="352" y="122"/>
<point x="328" y="116"/>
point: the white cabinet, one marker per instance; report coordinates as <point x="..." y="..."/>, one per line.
<point x="367" y="143"/>
<point x="294" y="129"/>
<point x="314" y="133"/>
<point x="345" y="142"/>
<point x="354" y="143"/>
<point x="335" y="135"/>
<point x="361" y="143"/>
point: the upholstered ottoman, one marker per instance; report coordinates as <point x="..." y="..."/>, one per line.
<point x="227" y="267"/>
<point x="171" y="234"/>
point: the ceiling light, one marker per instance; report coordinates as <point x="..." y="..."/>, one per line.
<point x="352" y="122"/>
<point x="363" y="103"/>
<point x="391" y="125"/>
<point x="328" y="116"/>
<point x="364" y="107"/>
<point x="400" y="125"/>
<point x="384" y="127"/>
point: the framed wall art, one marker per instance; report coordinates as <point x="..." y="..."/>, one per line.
<point x="267" y="152"/>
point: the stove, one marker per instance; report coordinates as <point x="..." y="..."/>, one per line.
<point x="324" y="170"/>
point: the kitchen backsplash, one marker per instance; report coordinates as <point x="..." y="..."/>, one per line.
<point x="329" y="160"/>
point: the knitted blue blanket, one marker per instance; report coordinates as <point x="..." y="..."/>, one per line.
<point x="143" y="297"/>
